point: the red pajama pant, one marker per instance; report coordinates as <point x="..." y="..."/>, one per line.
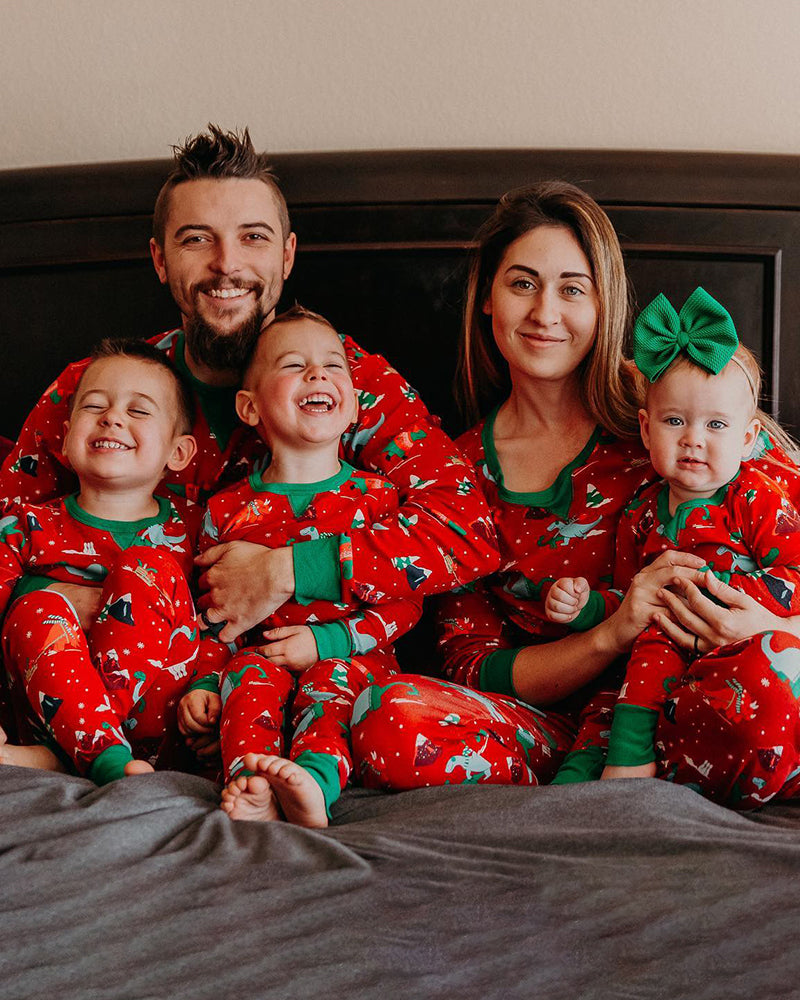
<point x="117" y="684"/>
<point x="419" y="731"/>
<point x="730" y="729"/>
<point x="256" y="694"/>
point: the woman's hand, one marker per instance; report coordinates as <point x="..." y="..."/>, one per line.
<point x="645" y="597"/>
<point x="692" y="614"/>
<point x="244" y="583"/>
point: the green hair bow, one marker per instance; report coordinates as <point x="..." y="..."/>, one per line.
<point x="703" y="330"/>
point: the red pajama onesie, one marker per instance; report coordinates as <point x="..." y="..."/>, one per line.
<point x="421" y="731"/>
<point x="354" y="639"/>
<point x="98" y="695"/>
<point x="748" y="533"/>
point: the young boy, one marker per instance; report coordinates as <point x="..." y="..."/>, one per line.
<point x="699" y="422"/>
<point x="102" y="698"/>
<point x="299" y="395"/>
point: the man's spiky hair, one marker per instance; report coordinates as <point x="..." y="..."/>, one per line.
<point x="217" y="155"/>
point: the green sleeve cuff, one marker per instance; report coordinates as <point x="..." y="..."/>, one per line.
<point x="316" y="570"/>
<point x="333" y="640"/>
<point x="581" y="765"/>
<point x="633" y="734"/>
<point x="208" y="683"/>
<point x="591" y="614"/>
<point x="496" y="672"/>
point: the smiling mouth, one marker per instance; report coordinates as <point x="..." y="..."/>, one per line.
<point x="104" y="444"/>
<point x="540" y="338"/>
<point x="318" y="402"/>
<point x="228" y="293"/>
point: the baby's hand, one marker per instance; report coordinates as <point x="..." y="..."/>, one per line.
<point x="566" y="598"/>
<point x="292" y="646"/>
<point x="198" y="712"/>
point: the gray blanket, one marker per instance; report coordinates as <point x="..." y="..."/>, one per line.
<point x="145" y="889"/>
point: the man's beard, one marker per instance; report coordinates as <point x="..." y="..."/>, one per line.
<point x="222" y="351"/>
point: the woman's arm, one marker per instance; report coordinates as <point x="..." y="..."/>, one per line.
<point x="547" y="673"/>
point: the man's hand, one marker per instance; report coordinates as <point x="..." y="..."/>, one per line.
<point x="198" y="720"/>
<point x="86" y="600"/>
<point x="292" y="646"/>
<point x="566" y="598"/>
<point x="244" y="584"/>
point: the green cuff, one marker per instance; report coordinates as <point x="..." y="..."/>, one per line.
<point x="324" y="769"/>
<point x="591" y="614"/>
<point x="632" y="740"/>
<point x="316" y="570"/>
<point x="496" y="671"/>
<point x="110" y="764"/>
<point x="333" y="640"/>
<point x="208" y="683"/>
<point x="581" y="765"/>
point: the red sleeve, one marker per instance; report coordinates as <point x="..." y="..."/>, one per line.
<point x="441" y="536"/>
<point x="13" y="548"/>
<point x="627" y="554"/>
<point x="35" y="469"/>
<point x="470" y="628"/>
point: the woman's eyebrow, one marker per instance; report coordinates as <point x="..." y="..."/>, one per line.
<point x="535" y="274"/>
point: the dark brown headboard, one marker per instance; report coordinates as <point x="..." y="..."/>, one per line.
<point x="382" y="240"/>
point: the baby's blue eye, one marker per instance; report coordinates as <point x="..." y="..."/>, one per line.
<point x="674" y="421"/>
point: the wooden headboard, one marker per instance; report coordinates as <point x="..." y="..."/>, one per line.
<point x="382" y="247"/>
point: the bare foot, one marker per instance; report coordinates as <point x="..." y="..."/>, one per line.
<point x="249" y="797"/>
<point x="639" y="771"/>
<point x="138" y="767"/>
<point x="298" y="794"/>
<point x="30" y="756"/>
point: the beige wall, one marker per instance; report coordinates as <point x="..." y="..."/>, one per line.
<point x="93" y="80"/>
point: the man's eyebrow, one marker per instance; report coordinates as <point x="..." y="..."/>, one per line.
<point x="203" y="228"/>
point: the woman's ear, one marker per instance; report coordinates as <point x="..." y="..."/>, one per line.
<point x="64" y="439"/>
<point x="354" y="417"/>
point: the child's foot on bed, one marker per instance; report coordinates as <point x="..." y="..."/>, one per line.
<point x="138" y="767"/>
<point x="638" y="771"/>
<point x="299" y="795"/>
<point x="250" y="797"/>
<point x="29" y="756"/>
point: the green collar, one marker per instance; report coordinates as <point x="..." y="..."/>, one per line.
<point x="300" y="495"/>
<point x="77" y="512"/>
<point x="558" y="496"/>
<point x="673" y="524"/>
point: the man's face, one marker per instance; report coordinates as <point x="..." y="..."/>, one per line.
<point x="225" y="259"/>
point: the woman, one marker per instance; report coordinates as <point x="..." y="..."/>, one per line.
<point x="558" y="459"/>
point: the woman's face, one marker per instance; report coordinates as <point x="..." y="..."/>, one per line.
<point x="544" y="305"/>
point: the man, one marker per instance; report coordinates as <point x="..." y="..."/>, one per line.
<point x="223" y="245"/>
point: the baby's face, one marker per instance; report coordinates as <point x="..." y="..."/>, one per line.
<point x="699" y="428"/>
<point x="299" y="389"/>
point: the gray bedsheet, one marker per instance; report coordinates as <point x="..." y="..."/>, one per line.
<point x="145" y="889"/>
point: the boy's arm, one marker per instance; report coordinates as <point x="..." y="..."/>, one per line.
<point x="14" y="546"/>
<point x="35" y="470"/>
<point x="371" y="627"/>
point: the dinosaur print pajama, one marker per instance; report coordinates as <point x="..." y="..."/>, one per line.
<point x="102" y="697"/>
<point x="354" y="639"/>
